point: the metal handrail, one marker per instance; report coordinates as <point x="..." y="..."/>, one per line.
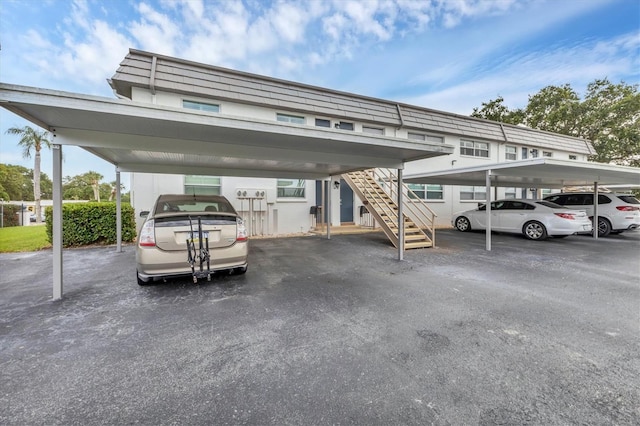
<point x="424" y="220"/>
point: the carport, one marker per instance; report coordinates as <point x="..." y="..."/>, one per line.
<point x="532" y="173"/>
<point x="143" y="137"/>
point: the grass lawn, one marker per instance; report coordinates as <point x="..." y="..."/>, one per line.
<point x="23" y="238"/>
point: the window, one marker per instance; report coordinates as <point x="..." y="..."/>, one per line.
<point x="291" y="188"/>
<point x="321" y="122"/>
<point x="344" y="125"/>
<point x="372" y="130"/>
<point x="534" y="153"/>
<point x="525" y="153"/>
<point x="295" y="119"/>
<point x="201" y="106"/>
<point x="425" y="191"/>
<point x="202" y="185"/>
<point x="510" y="153"/>
<point x="473" y="193"/>
<point x="573" y="157"/>
<point x="547" y="154"/>
<point x="509" y="193"/>
<point x="474" y="149"/>
<point x="427" y="138"/>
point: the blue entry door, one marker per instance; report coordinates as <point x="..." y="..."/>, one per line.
<point x="346" y="202"/>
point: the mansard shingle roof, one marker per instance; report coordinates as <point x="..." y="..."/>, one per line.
<point x="163" y="73"/>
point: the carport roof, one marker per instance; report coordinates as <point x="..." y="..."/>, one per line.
<point x="142" y="137"/>
<point x="533" y="173"/>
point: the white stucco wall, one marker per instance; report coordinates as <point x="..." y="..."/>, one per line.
<point x="285" y="216"/>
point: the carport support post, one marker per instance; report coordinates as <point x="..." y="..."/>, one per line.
<point x="118" y="213"/>
<point x="57" y="221"/>
<point x="400" y="218"/>
<point x="329" y="194"/>
<point x="488" y="210"/>
<point x="595" y="210"/>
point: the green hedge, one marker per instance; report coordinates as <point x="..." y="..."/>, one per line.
<point x="10" y="215"/>
<point x="92" y="223"/>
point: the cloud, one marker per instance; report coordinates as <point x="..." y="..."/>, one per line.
<point x="525" y="74"/>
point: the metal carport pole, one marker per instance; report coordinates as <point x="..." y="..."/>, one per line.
<point x="400" y="218"/>
<point x="488" y="210"/>
<point x="329" y="194"/>
<point x="595" y="210"/>
<point x="118" y="213"/>
<point x="57" y="221"/>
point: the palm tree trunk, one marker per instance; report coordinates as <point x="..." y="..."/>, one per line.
<point x="36" y="185"/>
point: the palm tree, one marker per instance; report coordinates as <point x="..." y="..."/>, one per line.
<point x="33" y="139"/>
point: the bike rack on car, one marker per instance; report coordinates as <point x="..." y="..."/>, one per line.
<point x="200" y="256"/>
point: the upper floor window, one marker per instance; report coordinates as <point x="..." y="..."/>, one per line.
<point x="474" y="149"/>
<point x="373" y="130"/>
<point x="534" y="153"/>
<point x="573" y="157"/>
<point x="321" y="122"/>
<point x="344" y="125"/>
<point x="202" y="185"/>
<point x="423" y="137"/>
<point x="510" y="152"/>
<point x="291" y="188"/>
<point x="473" y="193"/>
<point x="295" y="119"/>
<point x="547" y="154"/>
<point x="425" y="191"/>
<point x="200" y="106"/>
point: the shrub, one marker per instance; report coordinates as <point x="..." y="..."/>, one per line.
<point x="10" y="215"/>
<point x="92" y="223"/>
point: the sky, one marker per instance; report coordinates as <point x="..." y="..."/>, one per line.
<point x="449" y="55"/>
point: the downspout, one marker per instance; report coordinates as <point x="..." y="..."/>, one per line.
<point x="401" y="120"/>
<point x="152" y="78"/>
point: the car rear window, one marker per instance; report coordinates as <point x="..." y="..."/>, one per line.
<point x="191" y="204"/>
<point x="550" y="204"/>
<point x="629" y="199"/>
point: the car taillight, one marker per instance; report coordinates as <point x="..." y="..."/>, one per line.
<point x="147" y="235"/>
<point x="566" y="215"/>
<point x="627" y="208"/>
<point x="241" y="233"/>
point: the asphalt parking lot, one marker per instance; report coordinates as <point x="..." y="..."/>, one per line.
<point x="330" y="333"/>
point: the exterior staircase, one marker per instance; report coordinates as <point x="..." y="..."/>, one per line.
<point x="378" y="190"/>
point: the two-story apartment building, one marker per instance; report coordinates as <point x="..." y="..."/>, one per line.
<point x="284" y="205"/>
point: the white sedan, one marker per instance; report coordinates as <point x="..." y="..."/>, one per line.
<point x="535" y="219"/>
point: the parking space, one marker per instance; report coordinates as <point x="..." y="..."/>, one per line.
<point x="331" y="332"/>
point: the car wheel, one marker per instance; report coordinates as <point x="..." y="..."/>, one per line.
<point x="604" y="227"/>
<point x="241" y="270"/>
<point x="141" y="281"/>
<point x="534" y="231"/>
<point x="463" y="224"/>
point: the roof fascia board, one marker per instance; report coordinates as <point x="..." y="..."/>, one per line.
<point x="95" y="140"/>
<point x="73" y="101"/>
<point x="221" y="171"/>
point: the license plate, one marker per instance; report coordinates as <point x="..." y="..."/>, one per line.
<point x="196" y="237"/>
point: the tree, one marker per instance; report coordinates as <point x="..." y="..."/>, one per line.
<point x="608" y="116"/>
<point x="84" y="187"/>
<point x="611" y="120"/>
<point x="31" y="139"/>
<point x="496" y="110"/>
